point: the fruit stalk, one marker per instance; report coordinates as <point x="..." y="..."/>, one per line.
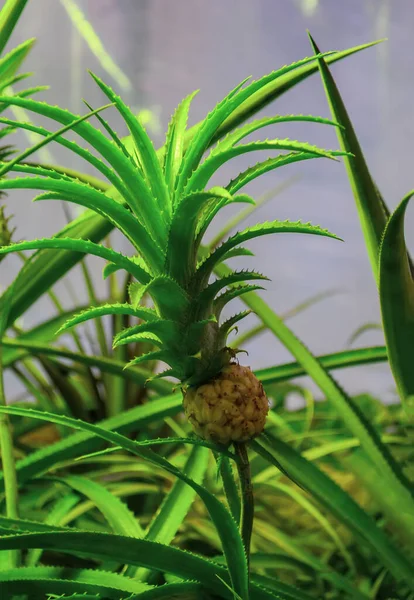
<point x="247" y="498"/>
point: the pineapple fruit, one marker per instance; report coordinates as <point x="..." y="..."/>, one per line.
<point x="162" y="203"/>
<point x="231" y="407"/>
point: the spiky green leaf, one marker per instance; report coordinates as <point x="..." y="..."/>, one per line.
<point x="84" y="247"/>
<point x="265" y="166"/>
<point x="176" y="504"/>
<point x="11" y="62"/>
<point x="84" y="153"/>
<point x="49" y="138"/>
<point x="119" y="517"/>
<point x="200" y="178"/>
<point x="147" y="159"/>
<point x="227" y="111"/>
<point x="174" y="143"/>
<point x="216" y="256"/>
<point x="167" y="331"/>
<point x="228" y="325"/>
<point x="238" y="134"/>
<point x="209" y="293"/>
<point x="44" y="581"/>
<point x="181" y="254"/>
<point x="109" y="309"/>
<point x="87" y="196"/>
<point x="234" y="292"/>
<point x="133" y="186"/>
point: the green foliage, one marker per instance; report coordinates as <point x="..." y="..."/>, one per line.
<point x="126" y="503"/>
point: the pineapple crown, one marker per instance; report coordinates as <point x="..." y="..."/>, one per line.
<point x="162" y="203"/>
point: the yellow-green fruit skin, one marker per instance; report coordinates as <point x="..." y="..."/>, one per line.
<point x="232" y="407"/>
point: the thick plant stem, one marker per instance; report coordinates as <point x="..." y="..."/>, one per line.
<point x="247" y="504"/>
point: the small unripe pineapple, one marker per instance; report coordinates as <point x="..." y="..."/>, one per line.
<point x="232" y="407"/>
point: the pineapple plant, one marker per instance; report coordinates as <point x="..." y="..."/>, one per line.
<point x="162" y="203"/>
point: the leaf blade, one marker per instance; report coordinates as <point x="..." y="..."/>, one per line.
<point x="396" y="290"/>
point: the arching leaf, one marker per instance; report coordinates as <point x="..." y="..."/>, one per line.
<point x="167" y="331"/>
<point x="225" y="525"/>
<point x="94" y="312"/>
<point x="84" y="247"/>
<point x="396" y="290"/>
<point x="119" y="517"/>
<point x="234" y="292"/>
<point x="44" y="581"/>
<point x="224" y="111"/>
<point x="216" y="256"/>
<point x="206" y="170"/>
<point x="90" y="197"/>
<point x="238" y="134"/>
<point x="209" y="293"/>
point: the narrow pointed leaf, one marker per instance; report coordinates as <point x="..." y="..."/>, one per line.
<point x="74" y="147"/>
<point x="167" y="331"/>
<point x="228" y="112"/>
<point x="12" y="61"/>
<point x="207" y="296"/>
<point x="285" y="81"/>
<point x="119" y="517"/>
<point x="206" y="170"/>
<point x="216" y="256"/>
<point x="373" y="212"/>
<point x="396" y="289"/>
<point x="265" y="166"/>
<point x="44" y="581"/>
<point x="133" y="184"/>
<point x="109" y="309"/>
<point x="111" y="132"/>
<point x="177" y="502"/>
<point x="174" y="143"/>
<point x="238" y="134"/>
<point x="162" y="355"/>
<point x="49" y="138"/>
<point x="235" y="292"/>
<point x="89" y="197"/>
<point x="229" y="324"/>
<point x="84" y="247"/>
<point x="147" y="156"/>
<point x="152" y="555"/>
